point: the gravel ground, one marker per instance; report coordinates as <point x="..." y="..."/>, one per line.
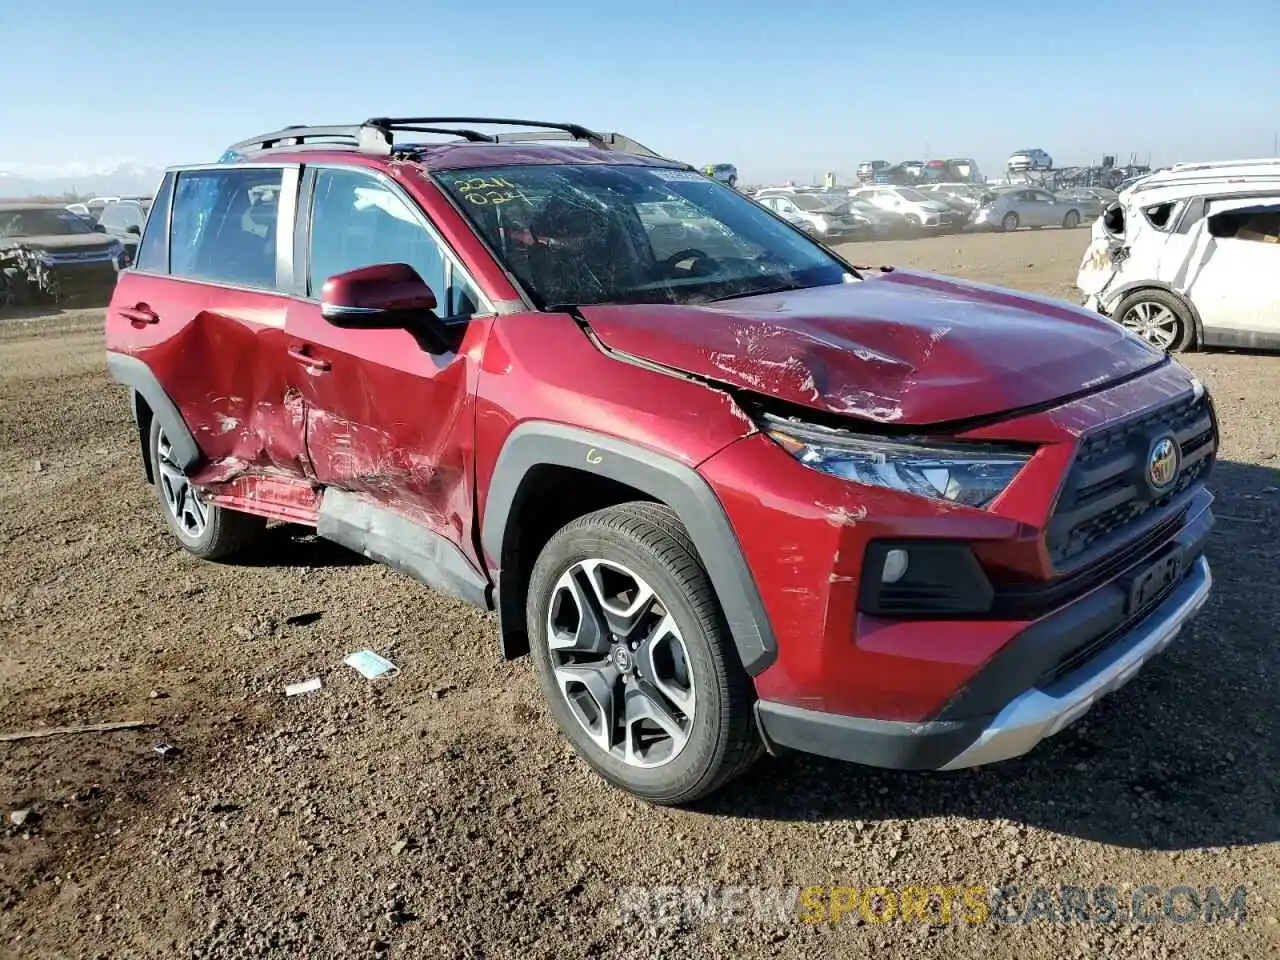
<point x="438" y="813"/>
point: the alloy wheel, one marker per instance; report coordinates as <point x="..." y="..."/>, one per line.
<point x="1152" y="321"/>
<point x="621" y="663"/>
<point x="180" y="497"/>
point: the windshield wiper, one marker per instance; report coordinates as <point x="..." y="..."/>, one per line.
<point x="761" y="292"/>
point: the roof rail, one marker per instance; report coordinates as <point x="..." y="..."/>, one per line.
<point x="1217" y="164"/>
<point x="377" y="135"/>
<point x="365" y="138"/>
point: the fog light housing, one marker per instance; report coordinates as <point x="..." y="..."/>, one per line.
<point x="923" y="579"/>
<point x="895" y="566"/>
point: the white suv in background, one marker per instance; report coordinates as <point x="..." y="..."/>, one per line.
<point x="1191" y="256"/>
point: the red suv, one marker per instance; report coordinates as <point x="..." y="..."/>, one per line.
<point x="731" y="492"/>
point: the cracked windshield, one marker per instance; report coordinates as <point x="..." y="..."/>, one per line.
<point x="635" y="482"/>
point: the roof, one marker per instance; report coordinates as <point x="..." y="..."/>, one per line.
<point x="8" y="206"/>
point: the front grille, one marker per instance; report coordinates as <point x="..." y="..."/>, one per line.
<point x="1072" y="660"/>
<point x="1107" y="497"/>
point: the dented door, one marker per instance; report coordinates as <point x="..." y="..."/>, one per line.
<point x="201" y="309"/>
<point x="384" y="416"/>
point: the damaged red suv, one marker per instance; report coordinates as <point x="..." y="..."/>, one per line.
<point x="730" y="492"/>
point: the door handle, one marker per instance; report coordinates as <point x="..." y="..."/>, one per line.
<point x="303" y="355"/>
<point x="140" y="316"/>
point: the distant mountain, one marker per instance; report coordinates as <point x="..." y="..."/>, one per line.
<point x="117" y="179"/>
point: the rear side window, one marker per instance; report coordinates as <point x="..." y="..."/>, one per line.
<point x="225" y="224"/>
<point x="153" y="252"/>
<point x="1260" y="224"/>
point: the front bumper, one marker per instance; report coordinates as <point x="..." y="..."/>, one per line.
<point x="1032" y="716"/>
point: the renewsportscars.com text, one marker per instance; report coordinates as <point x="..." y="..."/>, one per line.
<point x="935" y="904"/>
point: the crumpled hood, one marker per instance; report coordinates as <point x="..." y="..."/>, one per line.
<point x="60" y="244"/>
<point x="902" y="347"/>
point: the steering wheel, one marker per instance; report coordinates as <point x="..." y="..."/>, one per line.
<point x="689" y="253"/>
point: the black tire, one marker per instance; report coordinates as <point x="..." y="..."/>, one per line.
<point x="1071" y="220"/>
<point x="1010" y="222"/>
<point x="1184" y="334"/>
<point x="18" y="289"/>
<point x="226" y="532"/>
<point x="648" y="539"/>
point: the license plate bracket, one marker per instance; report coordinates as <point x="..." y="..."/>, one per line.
<point x="1152" y="580"/>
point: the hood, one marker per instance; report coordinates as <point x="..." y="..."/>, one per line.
<point x="61" y="243"/>
<point x="902" y="347"/>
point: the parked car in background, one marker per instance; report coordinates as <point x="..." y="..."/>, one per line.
<point x="1028" y="160"/>
<point x="1015" y="207"/>
<point x="920" y="210"/>
<point x="1191" y="257"/>
<point x="1090" y="201"/>
<point x="724" y="172"/>
<point x="124" y="221"/>
<point x="49" y="254"/>
<point x="873" y="170"/>
<point x="972" y="195"/>
<point x="963" y="206"/>
<point x="817" y="214"/>
<point x="885" y="224"/>
<point x="963" y="170"/>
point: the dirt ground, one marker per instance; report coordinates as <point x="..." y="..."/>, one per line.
<point x="438" y="813"/>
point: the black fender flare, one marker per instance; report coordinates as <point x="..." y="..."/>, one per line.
<point x="1112" y="298"/>
<point x="680" y="487"/>
<point x="135" y="374"/>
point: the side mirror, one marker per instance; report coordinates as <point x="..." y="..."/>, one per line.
<point x="134" y="229"/>
<point x="385" y="296"/>
<point x="382" y="296"/>
<point x="99" y="228"/>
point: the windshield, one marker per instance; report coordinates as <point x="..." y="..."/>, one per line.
<point x="809" y="201"/>
<point x="590" y="233"/>
<point x="42" y="222"/>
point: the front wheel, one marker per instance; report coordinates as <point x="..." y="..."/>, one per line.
<point x="634" y="656"/>
<point x="1010" y="222"/>
<point x="208" y="531"/>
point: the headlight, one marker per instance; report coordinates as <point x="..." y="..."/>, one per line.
<point x="971" y="474"/>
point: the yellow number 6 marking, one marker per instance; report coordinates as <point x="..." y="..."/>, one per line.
<point x="593" y="457"/>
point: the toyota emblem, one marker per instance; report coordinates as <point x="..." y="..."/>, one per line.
<point x="1162" y="463"/>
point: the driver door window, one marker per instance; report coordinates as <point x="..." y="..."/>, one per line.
<point x="357" y="221"/>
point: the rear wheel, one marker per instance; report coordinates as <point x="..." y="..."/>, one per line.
<point x="634" y="657"/>
<point x="205" y="530"/>
<point x="1158" y="317"/>
<point x="1071" y="220"/>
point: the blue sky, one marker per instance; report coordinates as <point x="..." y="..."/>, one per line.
<point x="780" y="88"/>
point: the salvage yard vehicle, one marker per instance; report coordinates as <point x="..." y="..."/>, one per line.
<point x="1013" y="207"/>
<point x="921" y="211"/>
<point x="1191" y="256"/>
<point x="756" y="499"/>
<point x="123" y="220"/>
<point x="1029" y="160"/>
<point x="820" y="215"/>
<point x="48" y="254"/>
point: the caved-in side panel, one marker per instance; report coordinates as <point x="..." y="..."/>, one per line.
<point x="388" y="419"/>
<point x="218" y="353"/>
